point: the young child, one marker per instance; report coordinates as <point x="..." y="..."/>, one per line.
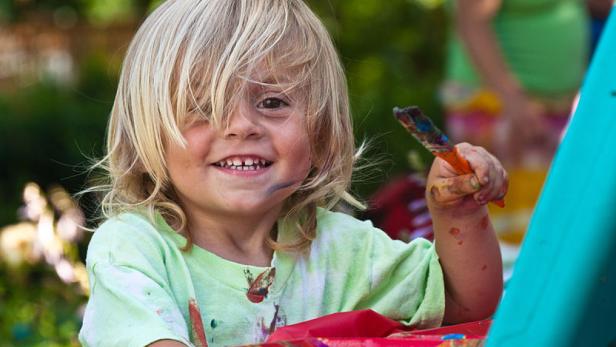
<point x="229" y="142"/>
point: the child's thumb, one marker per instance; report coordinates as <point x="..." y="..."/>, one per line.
<point x="447" y="190"/>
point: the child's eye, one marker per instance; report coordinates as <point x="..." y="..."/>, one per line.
<point x="272" y="103"/>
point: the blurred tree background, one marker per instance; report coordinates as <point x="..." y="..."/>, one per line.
<point x="59" y="63"/>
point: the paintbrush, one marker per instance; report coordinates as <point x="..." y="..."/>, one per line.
<point x="433" y="139"/>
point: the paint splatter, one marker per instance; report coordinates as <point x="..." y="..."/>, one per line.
<point x="278" y="320"/>
<point x="259" y="288"/>
<point x="272" y="325"/>
<point x="271" y="190"/>
<point x="213" y="323"/>
<point x="198" y="333"/>
<point x="485" y="221"/>
<point x="484" y="267"/>
<point x="454" y="232"/>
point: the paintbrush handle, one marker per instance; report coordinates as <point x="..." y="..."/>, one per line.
<point x="454" y="159"/>
<point x="433" y="139"/>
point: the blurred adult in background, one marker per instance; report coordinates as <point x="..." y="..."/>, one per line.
<point x="513" y="70"/>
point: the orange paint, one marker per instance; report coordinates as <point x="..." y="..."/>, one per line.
<point x="454" y="159"/>
<point x="196" y="324"/>
<point x="432" y="138"/>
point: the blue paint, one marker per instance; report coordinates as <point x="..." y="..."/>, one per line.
<point x="453" y="337"/>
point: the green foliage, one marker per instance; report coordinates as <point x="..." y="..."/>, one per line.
<point x="46" y="314"/>
<point x="393" y="52"/>
<point x="47" y="131"/>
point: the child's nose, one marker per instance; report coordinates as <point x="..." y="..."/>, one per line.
<point x="242" y="124"/>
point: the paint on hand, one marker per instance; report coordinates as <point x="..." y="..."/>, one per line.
<point x="259" y="287"/>
<point x="196" y="324"/>
<point x="433" y="139"/>
<point x="444" y="191"/>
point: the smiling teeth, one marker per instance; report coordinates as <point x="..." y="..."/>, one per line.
<point x="245" y="165"/>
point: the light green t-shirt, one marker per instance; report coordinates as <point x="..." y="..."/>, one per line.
<point x="142" y="283"/>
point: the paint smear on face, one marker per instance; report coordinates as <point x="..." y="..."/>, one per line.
<point x="278" y="186"/>
<point x="196" y="324"/>
<point x="259" y="288"/>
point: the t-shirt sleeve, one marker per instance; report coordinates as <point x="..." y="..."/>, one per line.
<point x="130" y="302"/>
<point x="403" y="281"/>
<point x="406" y="281"/>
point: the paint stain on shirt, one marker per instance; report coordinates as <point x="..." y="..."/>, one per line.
<point x="196" y="324"/>
<point x="265" y="330"/>
<point x="259" y="287"/>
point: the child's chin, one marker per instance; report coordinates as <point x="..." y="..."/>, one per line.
<point x="251" y="207"/>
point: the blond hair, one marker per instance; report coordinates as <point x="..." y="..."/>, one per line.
<point x="193" y="55"/>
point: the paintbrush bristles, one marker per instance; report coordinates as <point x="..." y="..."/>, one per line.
<point x="422" y="128"/>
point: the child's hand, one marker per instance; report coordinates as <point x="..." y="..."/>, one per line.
<point x="448" y="189"/>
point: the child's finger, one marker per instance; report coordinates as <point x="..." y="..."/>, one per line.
<point x="489" y="171"/>
<point x="496" y="188"/>
<point x="450" y="189"/>
<point x="487" y="193"/>
<point x="479" y="160"/>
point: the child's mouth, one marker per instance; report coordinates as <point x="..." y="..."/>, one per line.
<point x="243" y="164"/>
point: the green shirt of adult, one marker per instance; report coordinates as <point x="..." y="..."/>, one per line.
<point x="544" y="42"/>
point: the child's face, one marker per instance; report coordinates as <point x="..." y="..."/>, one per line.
<point x="248" y="168"/>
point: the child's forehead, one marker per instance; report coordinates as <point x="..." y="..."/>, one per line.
<point x="265" y="74"/>
<point x="265" y="77"/>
